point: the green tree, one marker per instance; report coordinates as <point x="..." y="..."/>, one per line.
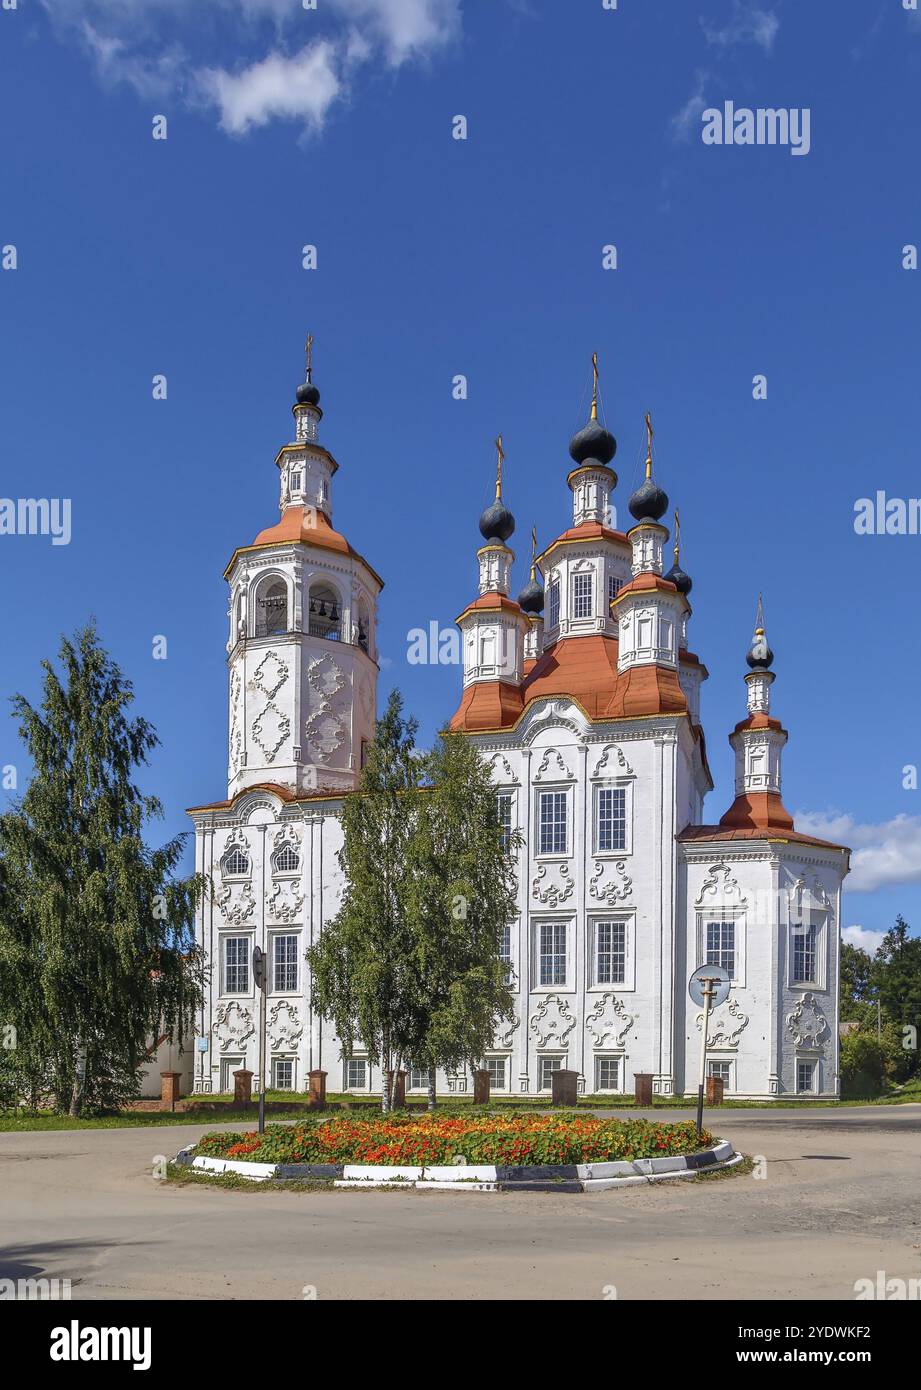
<point x="858" y="995"/>
<point x="896" y="977"/>
<point x="361" y="967"/>
<point x="97" y="950"/>
<point x="462" y="894"/>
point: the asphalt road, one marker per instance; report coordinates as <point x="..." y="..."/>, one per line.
<point x="840" y="1199"/>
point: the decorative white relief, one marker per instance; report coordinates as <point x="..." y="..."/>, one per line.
<point x="270" y="729"/>
<point x="612" y="763"/>
<point x="325" y="734"/>
<point x="270" y="675"/>
<point x="233" y="1026"/>
<point x="287" y="835"/>
<point x="806" y="1024"/>
<point x="501" y="769"/>
<point x="553" y="1021"/>
<point x="727" y="1022"/>
<point x="236" y="902"/>
<point x="506" y="1032"/>
<point x="326" y="677"/>
<point x="553" y="759"/>
<point x="236" y="839"/>
<point x="551" y="892"/>
<point x="619" y="885"/>
<point x="284" y="1026"/>
<point x="720" y="886"/>
<point x="807" y="895"/>
<point x="609" y="1022"/>
<point x="285" y="902"/>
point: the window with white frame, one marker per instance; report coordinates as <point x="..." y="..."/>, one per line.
<point x="287" y="860"/>
<point x="614" y="587"/>
<point x="582" y="589"/>
<point x="720" y="945"/>
<point x="505" y="949"/>
<point x="498" y="1072"/>
<point x="610" y="952"/>
<point x="610" y="819"/>
<point x="805" y="956"/>
<point x="504" y="816"/>
<point x="720" y="1071"/>
<point x="284" y="964"/>
<point x="418" y="1078"/>
<point x="552" y="827"/>
<point x="553" y="603"/>
<point x="236" y="964"/>
<point x="805" y="1076"/>
<point x="551" y="954"/>
<point x="236" y="864"/>
<point x="607" y="1074"/>
<point x="356" y="1074"/>
<point x="546" y="1066"/>
<point x="283" y="1073"/>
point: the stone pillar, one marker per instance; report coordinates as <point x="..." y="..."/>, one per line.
<point x="643" y="1088"/>
<point x="399" y="1090"/>
<point x="242" y="1087"/>
<point x="317" y="1089"/>
<point x="169" y="1089"/>
<point x="564" y="1088"/>
<point x="481" y="1087"/>
<point x="715" y="1086"/>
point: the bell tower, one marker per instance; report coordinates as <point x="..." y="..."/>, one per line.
<point x="302" y="652"/>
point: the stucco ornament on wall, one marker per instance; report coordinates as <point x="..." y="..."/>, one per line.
<point x="719" y="887"/>
<point x="284" y="1026"/>
<point x="618" y="886"/>
<point x="233" y="1026"/>
<point x="553" y="1021"/>
<point x="608" y="1022"/>
<point x="806" y="1024"/>
<point x="552" y="763"/>
<point x="285" y="902"/>
<point x="270" y="729"/>
<point x="727" y="1022"/>
<point x="270" y="675"/>
<point x="237" y="902"/>
<point x="612" y="763"/>
<point x="553" y="893"/>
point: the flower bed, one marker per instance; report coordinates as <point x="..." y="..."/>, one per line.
<point x="530" y="1139"/>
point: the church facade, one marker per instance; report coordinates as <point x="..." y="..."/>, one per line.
<point x="584" y="698"/>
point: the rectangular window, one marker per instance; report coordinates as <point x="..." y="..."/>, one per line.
<point x="610" y="953"/>
<point x="805" y="1076"/>
<point x="804" y="953"/>
<point x="612" y="819"/>
<point x="553" y="823"/>
<point x="582" y="595"/>
<point x="496" y="1066"/>
<point x="721" y="946"/>
<point x="614" y="587"/>
<point x="551" y="966"/>
<point x="236" y="964"/>
<point x="607" y="1073"/>
<point x="553" y="603"/>
<point x="720" y="1070"/>
<point x="418" y="1078"/>
<point x="283" y="1074"/>
<point x="356" y="1074"/>
<point x="284" y="956"/>
<point x="504" y="814"/>
<point x="546" y="1067"/>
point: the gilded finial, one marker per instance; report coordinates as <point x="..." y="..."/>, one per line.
<point x="533" y="552"/>
<point x="500" y="455"/>
<point x="677" y="535"/>
<point x="648" y="445"/>
<point x="759" y="619"/>
<point x="594" y="386"/>
<point x="308" y="347"/>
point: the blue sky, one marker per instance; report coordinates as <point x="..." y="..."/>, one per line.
<point x="437" y="256"/>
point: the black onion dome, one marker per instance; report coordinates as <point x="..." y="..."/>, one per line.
<point x="307" y="394"/>
<point x="593" y="444"/>
<point x="682" y="582"/>
<point x="759" y="657"/>
<point x="531" y="598"/>
<point x="497" y="522"/>
<point x="649" y="502"/>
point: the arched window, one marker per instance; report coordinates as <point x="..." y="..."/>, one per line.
<point x="271" y="607"/>
<point x="235" y="863"/>
<point x="287" y="860"/>
<point x="364" y="626"/>
<point x="325" y="617"/>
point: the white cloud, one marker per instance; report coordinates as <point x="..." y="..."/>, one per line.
<point x="748" y="23"/>
<point x="253" y="60"/>
<point x="863" y="938"/>
<point x="684" y="120"/>
<point x="885" y="855"/>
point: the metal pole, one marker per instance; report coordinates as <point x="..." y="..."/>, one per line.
<point x="262" y="1021"/>
<point x="708" y="995"/>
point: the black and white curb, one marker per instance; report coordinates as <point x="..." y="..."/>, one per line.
<point x="477" y="1177"/>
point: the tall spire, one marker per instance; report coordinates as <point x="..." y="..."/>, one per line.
<point x="649" y="502"/>
<point x="676" y="574"/>
<point x="648" y="445"/>
<point x="500" y="455"/>
<point x="594" y="415"/>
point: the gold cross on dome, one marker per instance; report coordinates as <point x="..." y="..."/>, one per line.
<point x="594" y="386"/>
<point x="648" y="445"/>
<point x="677" y="535"/>
<point x="307" y="348"/>
<point x="533" y="550"/>
<point x="500" y="455"/>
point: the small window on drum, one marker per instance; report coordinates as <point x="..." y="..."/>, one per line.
<point x="295" y="482"/>
<point x="287" y="860"/>
<point x="272" y="608"/>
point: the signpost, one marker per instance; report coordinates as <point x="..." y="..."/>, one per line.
<point x="708" y="988"/>
<point x="259" y="973"/>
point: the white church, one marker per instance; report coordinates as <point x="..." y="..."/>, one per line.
<point x="583" y="696"/>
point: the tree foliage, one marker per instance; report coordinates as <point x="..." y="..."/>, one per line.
<point x="97" y="953"/>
